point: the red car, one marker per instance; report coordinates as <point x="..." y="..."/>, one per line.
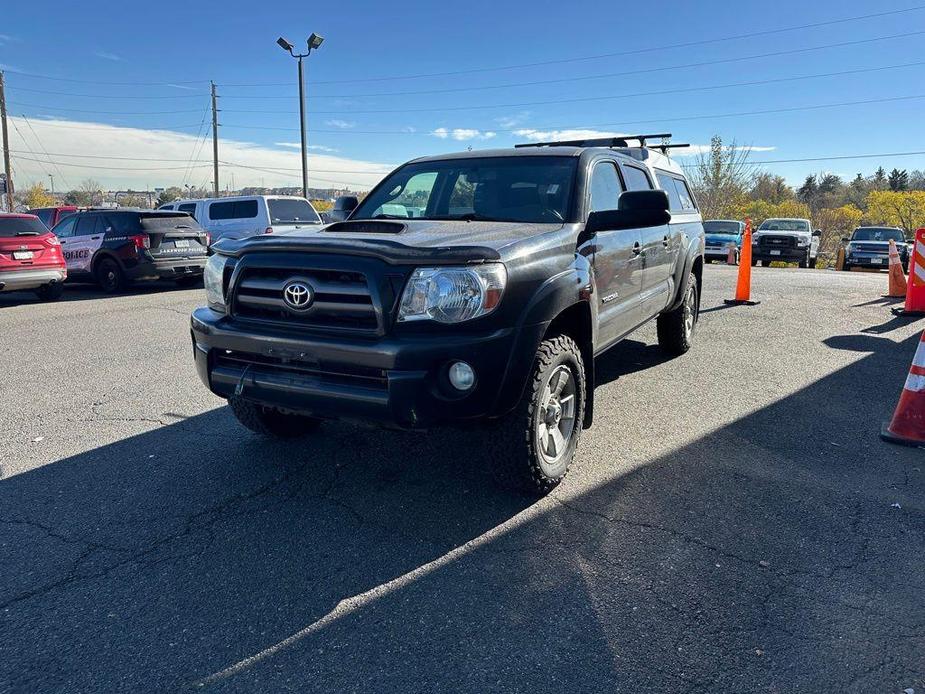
<point x="52" y="215"/>
<point x="30" y="257"/>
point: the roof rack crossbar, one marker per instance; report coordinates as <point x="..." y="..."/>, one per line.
<point x="620" y="141"/>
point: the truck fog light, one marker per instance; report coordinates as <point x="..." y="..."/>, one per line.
<point x="461" y="375"/>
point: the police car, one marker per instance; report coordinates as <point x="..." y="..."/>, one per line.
<point x="117" y="247"/>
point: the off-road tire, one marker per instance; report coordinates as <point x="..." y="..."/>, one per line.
<point x="268" y="421"/>
<point x="804" y="263"/>
<point x="676" y="328"/>
<point x="518" y="463"/>
<point x="110" y="276"/>
<point x="812" y="263"/>
<point x="754" y="262"/>
<point x="50" y="292"/>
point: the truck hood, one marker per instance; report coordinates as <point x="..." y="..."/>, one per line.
<point x="398" y="240"/>
<point x="721" y="239"/>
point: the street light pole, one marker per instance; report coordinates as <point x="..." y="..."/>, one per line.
<point x="314" y="41"/>
<point x="304" y="132"/>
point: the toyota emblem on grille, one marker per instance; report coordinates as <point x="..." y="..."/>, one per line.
<point x="298" y="295"/>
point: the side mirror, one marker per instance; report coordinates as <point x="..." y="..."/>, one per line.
<point x="637" y="209"/>
<point x="817" y="232"/>
<point x="343" y="206"/>
<point x="845" y="239"/>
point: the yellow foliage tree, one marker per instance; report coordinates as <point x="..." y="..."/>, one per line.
<point x="37" y="196"/>
<point x="835" y="223"/>
<point x="905" y="209"/>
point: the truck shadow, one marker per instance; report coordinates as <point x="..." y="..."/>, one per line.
<point x="363" y="560"/>
<point x="88" y="292"/>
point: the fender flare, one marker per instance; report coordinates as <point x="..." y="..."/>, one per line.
<point x="682" y="274"/>
<point x="557" y="294"/>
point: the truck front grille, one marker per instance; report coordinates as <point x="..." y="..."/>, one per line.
<point x="341" y="300"/>
<point x="769" y="241"/>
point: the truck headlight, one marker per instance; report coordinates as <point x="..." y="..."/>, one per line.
<point x="212" y="279"/>
<point x="802" y="241"/>
<point x="453" y="294"/>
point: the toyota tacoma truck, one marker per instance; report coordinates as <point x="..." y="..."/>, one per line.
<point x="469" y="287"/>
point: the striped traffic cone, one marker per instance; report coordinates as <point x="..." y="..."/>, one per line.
<point x="915" y="294"/>
<point x="897" y="286"/>
<point x="908" y="424"/>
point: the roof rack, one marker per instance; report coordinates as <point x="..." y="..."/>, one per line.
<point x="664" y="148"/>
<point x="621" y="141"/>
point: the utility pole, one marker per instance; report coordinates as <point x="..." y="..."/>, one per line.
<point x="52" y="177"/>
<point x="214" y="141"/>
<point x="6" y="148"/>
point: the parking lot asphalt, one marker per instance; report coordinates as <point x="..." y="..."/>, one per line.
<point x="732" y="523"/>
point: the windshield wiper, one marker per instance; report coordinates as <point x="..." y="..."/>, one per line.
<point x="382" y="215"/>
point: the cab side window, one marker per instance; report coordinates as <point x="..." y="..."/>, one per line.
<point x="189" y="208"/>
<point x="636" y="178"/>
<point x="65" y="228"/>
<point x="667" y="183"/>
<point x="605" y="187"/>
<point x="684" y="193"/>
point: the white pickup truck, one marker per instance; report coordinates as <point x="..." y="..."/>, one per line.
<point x="788" y="240"/>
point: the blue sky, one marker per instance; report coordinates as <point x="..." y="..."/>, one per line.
<point x="360" y="126"/>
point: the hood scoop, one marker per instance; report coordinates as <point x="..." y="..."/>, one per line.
<point x="366" y="226"/>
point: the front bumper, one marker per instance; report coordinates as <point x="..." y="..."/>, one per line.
<point x="714" y="252"/>
<point x="787" y="255"/>
<point x="398" y="382"/>
<point x="33" y="278"/>
<point x="873" y="261"/>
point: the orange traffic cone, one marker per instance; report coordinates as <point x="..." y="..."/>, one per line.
<point x="744" y="283"/>
<point x="897" y="286"/>
<point x="915" y="294"/>
<point x="908" y="424"/>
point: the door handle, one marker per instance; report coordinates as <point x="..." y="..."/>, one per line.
<point x="637" y="248"/>
<point x="94" y="238"/>
<point x="665" y="242"/>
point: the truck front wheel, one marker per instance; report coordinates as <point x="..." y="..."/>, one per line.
<point x="540" y="437"/>
<point x="269" y="421"/>
<point x="676" y="328"/>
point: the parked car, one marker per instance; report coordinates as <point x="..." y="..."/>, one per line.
<point x="720" y="234"/>
<point x="52" y="215"/>
<point x="869" y="247"/>
<point x="30" y="257"/>
<point x="253" y="215"/>
<point x="491" y="306"/>
<point x="788" y="240"/>
<point x="117" y="247"/>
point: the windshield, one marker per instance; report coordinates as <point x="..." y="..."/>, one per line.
<point x="878" y="234"/>
<point x="161" y="222"/>
<point x="721" y="227"/>
<point x="21" y="226"/>
<point x="784" y="225"/>
<point x="292" y="211"/>
<point x="500" y="189"/>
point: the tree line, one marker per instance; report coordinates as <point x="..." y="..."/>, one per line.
<point x="728" y="186"/>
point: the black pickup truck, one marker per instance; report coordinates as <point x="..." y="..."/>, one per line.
<point x="470" y="287"/>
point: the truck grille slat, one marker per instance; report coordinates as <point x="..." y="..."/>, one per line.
<point x="342" y="300"/>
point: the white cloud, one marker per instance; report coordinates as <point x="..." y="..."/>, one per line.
<point x="181" y="86"/>
<point x="132" y="157"/>
<point x="694" y="150"/>
<point x="106" y="55"/>
<point x="7" y="38"/>
<point x="508" y="122"/>
<point x="463" y="134"/>
<point x="340" y="123"/>
<point x="298" y="145"/>
<point x="556" y="135"/>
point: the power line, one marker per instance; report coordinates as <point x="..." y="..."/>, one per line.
<point x="105" y="113"/>
<point x="675" y="90"/>
<point x="51" y="161"/>
<point x="637" y="51"/>
<point x="832" y="158"/>
<point x="182" y="84"/>
<point x="662" y="119"/>
<point x="561" y="80"/>
<point x="79" y="125"/>
<point x="115" y="168"/>
<point x="112" y="96"/>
